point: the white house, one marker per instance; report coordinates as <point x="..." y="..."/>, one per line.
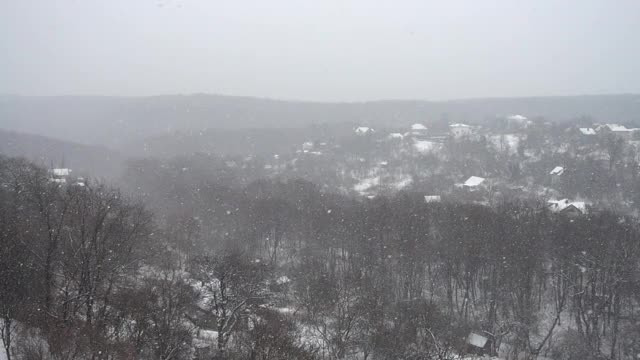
<point x="460" y="130"/>
<point x="432" y="198"/>
<point x="418" y="127"/>
<point x="60" y="175"/>
<point x="61" y="172"/>
<point x="617" y="129"/>
<point x="364" y="130"/>
<point x="587" y="131"/>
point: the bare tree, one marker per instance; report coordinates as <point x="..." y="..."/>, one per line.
<point x="232" y="286"/>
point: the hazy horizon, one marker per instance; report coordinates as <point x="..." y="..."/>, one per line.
<point x="324" y="52"/>
<point x="329" y="101"/>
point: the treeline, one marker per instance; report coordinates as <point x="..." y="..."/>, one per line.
<point x="282" y="270"/>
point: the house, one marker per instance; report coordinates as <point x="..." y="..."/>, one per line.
<point x="587" y="131"/>
<point x="61" y="172"/>
<point x="616" y="129"/>
<point x="307" y="145"/>
<point x="418" y="131"/>
<point x="396" y="136"/>
<point x="363" y="130"/>
<point x="473" y="183"/>
<point x="478" y="344"/>
<point x="432" y="199"/>
<point x="80" y="182"/>
<point x="60" y="175"/>
<point x="418" y="127"/>
<point x="558" y="170"/>
<point x="460" y="130"/>
<point x="566" y="207"/>
<point x="518" y="118"/>
<point x="516" y="122"/>
<point x="556" y="174"/>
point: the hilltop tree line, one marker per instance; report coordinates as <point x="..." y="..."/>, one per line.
<point x="187" y="267"/>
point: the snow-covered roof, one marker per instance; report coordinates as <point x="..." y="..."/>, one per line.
<point x="561" y="205"/>
<point x="432" y="198"/>
<point x="418" y="127"/>
<point x="424" y="146"/>
<point x="473" y="181"/>
<point x="361" y="130"/>
<point x="617" y="127"/>
<point x="477" y="340"/>
<point x="517" y="117"/>
<point x="558" y="170"/>
<point x="588" y="131"/>
<point x="61" y="172"/>
<point x="396" y="136"/>
<point x="459" y="125"/>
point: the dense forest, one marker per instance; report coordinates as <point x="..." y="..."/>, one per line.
<point x="198" y="267"/>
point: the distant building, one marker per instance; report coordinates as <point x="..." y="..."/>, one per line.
<point x="418" y="127"/>
<point x="474" y="182"/>
<point x="460" y="130"/>
<point x="556" y="174"/>
<point x="418" y="131"/>
<point x="61" y="172"/>
<point x="363" y="130"/>
<point x="80" y="182"/>
<point x="60" y="175"/>
<point x="478" y="344"/>
<point x="558" y="170"/>
<point x="396" y="136"/>
<point x="432" y="199"/>
<point x="307" y="145"/>
<point x="616" y="129"/>
<point x="566" y="207"/>
<point x="587" y="131"/>
<point x="516" y="122"/>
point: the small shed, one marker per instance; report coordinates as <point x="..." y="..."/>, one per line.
<point x="432" y="199"/>
<point x="473" y="182"/>
<point x="478" y="344"/>
<point x="555" y="175"/>
<point x="61" y="172"/>
<point x="558" y="170"/>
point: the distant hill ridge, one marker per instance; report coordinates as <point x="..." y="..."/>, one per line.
<point x="115" y="121"/>
<point x="96" y="161"/>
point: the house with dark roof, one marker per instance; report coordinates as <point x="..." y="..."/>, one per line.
<point x="567" y="207"/>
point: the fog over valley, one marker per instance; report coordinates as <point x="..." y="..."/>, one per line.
<point x="335" y="180"/>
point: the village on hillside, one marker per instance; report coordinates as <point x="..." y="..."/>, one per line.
<point x="573" y="168"/>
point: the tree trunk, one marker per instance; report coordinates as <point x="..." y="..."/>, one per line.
<point x="616" y="318"/>
<point x="6" y="335"/>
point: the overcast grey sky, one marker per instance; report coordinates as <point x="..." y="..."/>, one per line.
<point x="320" y="50"/>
